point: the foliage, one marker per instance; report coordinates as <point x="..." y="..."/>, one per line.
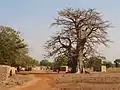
<point x="93" y="62"/>
<point x="13" y="50"/>
<point x="28" y="61"/>
<point x="60" y="61"/>
<point x="46" y="63"/>
<point x="117" y="62"/>
<point x="11" y="46"/>
<point x="108" y="64"/>
<point x="97" y="62"/>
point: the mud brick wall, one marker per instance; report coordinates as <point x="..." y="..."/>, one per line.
<point x="5" y="72"/>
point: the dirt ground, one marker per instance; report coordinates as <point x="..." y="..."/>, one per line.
<point x="44" y="83"/>
<point x="15" y="80"/>
<point x="40" y="82"/>
<point x="96" y="81"/>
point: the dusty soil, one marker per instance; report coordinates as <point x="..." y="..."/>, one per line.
<point x="45" y="82"/>
<point x="14" y="81"/>
<point x="96" y="81"/>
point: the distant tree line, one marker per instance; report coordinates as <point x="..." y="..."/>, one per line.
<point x="91" y="62"/>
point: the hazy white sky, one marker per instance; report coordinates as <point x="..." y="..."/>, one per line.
<point x="33" y="18"/>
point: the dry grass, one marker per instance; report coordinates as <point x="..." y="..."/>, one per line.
<point x="14" y="81"/>
<point x="96" y="81"/>
<point x="113" y="70"/>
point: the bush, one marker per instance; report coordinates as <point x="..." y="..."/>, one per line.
<point x="28" y="69"/>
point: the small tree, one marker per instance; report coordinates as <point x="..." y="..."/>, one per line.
<point x="94" y="62"/>
<point x="60" y="61"/>
<point x="46" y="63"/>
<point x="117" y="62"/>
<point x="108" y="64"/>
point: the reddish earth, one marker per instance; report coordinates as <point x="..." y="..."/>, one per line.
<point x="97" y="81"/>
<point x="44" y="82"/>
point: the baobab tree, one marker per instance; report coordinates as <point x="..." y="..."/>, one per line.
<point x="81" y="32"/>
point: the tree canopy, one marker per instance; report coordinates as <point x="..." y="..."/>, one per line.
<point x="60" y="61"/>
<point x="46" y="63"/>
<point x="13" y="49"/>
<point x="108" y="64"/>
<point x="82" y="31"/>
<point x="117" y="62"/>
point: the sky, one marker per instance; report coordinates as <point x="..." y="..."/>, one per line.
<point x="34" y="17"/>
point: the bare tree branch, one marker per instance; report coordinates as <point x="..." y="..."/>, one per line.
<point x="81" y="32"/>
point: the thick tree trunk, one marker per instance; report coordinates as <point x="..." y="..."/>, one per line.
<point x="80" y="65"/>
<point x="79" y="53"/>
<point x="74" y="65"/>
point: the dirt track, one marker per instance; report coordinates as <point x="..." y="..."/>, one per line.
<point x="99" y="81"/>
<point x="44" y="83"/>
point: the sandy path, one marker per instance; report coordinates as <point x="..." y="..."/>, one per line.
<point x="42" y="84"/>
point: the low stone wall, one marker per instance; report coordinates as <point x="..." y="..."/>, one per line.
<point x="13" y="70"/>
<point x="5" y="72"/>
<point x="36" y="68"/>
